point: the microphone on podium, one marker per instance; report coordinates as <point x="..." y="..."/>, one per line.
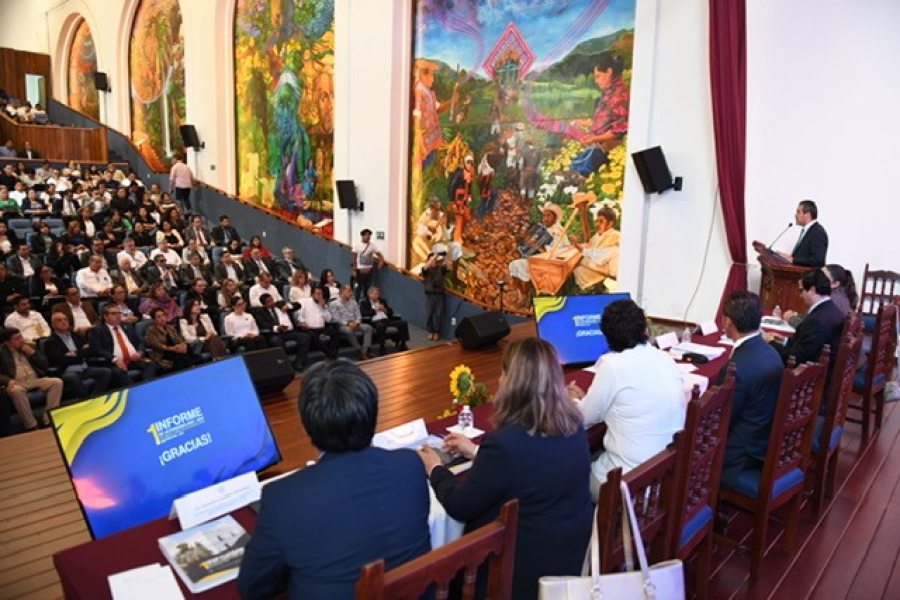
<point x="783" y="231"/>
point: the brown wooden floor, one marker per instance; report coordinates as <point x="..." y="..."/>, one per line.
<point x="853" y="553"/>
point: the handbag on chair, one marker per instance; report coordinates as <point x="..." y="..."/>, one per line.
<point x="663" y="581"/>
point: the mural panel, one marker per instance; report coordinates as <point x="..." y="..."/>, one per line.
<point x="156" y="61"/>
<point x="519" y="125"/>
<point x="284" y="107"/>
<point x="82" y="65"/>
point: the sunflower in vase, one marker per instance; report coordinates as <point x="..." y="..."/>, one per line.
<point x="465" y="391"/>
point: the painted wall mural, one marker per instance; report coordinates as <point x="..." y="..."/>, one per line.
<point x="518" y="142"/>
<point x="83" y="95"/>
<point x="156" y="61"/>
<point x="284" y="107"/>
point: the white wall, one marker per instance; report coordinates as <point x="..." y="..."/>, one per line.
<point x="822" y="122"/>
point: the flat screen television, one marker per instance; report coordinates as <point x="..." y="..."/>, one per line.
<point x="132" y="452"/>
<point x="572" y="325"/>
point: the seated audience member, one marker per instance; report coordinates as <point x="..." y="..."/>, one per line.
<point x="66" y="207"/>
<point x="264" y="286"/>
<point x="27" y="151"/>
<point x="300" y="287"/>
<point x="256" y="243"/>
<point x="81" y="314"/>
<point x="157" y="270"/>
<point x="119" y="347"/>
<point x="62" y="259"/>
<point x="205" y="296"/>
<point x="843" y="293"/>
<point x="197" y="232"/>
<point x="8" y="208"/>
<point x="288" y="264"/>
<point x="242" y="328"/>
<point x="193" y="270"/>
<point x="167" y="348"/>
<point x="8" y="150"/>
<point x="274" y="321"/>
<point x="22" y="369"/>
<point x="158" y="297"/>
<point x="228" y="268"/>
<point x="10" y="286"/>
<point x="29" y="322"/>
<point x="126" y="304"/>
<point x="338" y="409"/>
<point x="377" y="313"/>
<point x="32" y="206"/>
<point x="315" y="319"/>
<point x="224" y="233"/>
<point x="364" y="259"/>
<point x="256" y="264"/>
<point x="192" y="248"/>
<point x="168" y="234"/>
<point x="331" y="287"/>
<point x="822" y="323"/>
<point x="43" y="241"/>
<point x="94" y="281"/>
<point x="45" y="285"/>
<point x="198" y="331"/>
<point x="637" y="391"/>
<point x="22" y="263"/>
<point x="68" y="351"/>
<point x="127" y="277"/>
<point x="130" y="251"/>
<point x="758" y="370"/>
<point x="145" y="215"/>
<point x="228" y="293"/>
<point x="538" y="453"/>
<point x="98" y="249"/>
<point x="142" y="235"/>
<point x="75" y="237"/>
<point x="234" y="246"/>
<point x="163" y="249"/>
<point x="345" y="312"/>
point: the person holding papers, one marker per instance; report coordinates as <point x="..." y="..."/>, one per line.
<point x="319" y="526"/>
<point x="539" y="454"/>
<point x="637" y="391"/>
<point x="757" y="372"/>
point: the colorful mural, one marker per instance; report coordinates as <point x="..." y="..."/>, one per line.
<point x="284" y="107"/>
<point x="156" y="60"/>
<point x="518" y="131"/>
<point x="82" y="65"/>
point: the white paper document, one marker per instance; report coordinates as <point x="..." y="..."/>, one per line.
<point x="216" y="500"/>
<point x="150" y="582"/>
<point x="708" y="327"/>
<point x="707" y="351"/>
<point x="411" y="435"/>
<point x="692" y="379"/>
<point x="666" y="340"/>
<point x="775" y="324"/>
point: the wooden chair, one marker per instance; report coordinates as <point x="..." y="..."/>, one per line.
<point x="780" y="480"/>
<point x="878" y="288"/>
<point x="495" y="541"/>
<point x="652" y="486"/>
<point x="870" y="383"/>
<point x="830" y="427"/>
<point x="705" y="434"/>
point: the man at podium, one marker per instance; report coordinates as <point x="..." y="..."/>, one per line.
<point x="812" y="245"/>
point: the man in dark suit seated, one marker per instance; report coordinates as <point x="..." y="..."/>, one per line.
<point x="275" y="324"/>
<point x="228" y="268"/>
<point x="288" y="264"/>
<point x="81" y="313"/>
<point x="194" y="269"/>
<point x="197" y="232"/>
<point x="812" y="245"/>
<point x="224" y="232"/>
<point x="257" y="264"/>
<point x="119" y="348"/>
<point x="317" y="527"/>
<point x="758" y="370"/>
<point x="68" y="352"/>
<point x="22" y="369"/>
<point x="22" y="263"/>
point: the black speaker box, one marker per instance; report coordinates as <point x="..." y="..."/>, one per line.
<point x="481" y="330"/>
<point x="189" y="136"/>
<point x="653" y="170"/>
<point x="101" y="81"/>
<point x="346" y="190"/>
<point x="270" y="370"/>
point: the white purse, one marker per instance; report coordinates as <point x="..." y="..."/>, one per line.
<point x="663" y="581"/>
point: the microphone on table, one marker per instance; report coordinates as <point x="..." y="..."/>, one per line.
<point x="783" y="231"/>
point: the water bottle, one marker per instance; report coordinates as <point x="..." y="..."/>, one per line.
<point x="466" y="418"/>
<point x="686" y="335"/>
<point x="776" y="312"/>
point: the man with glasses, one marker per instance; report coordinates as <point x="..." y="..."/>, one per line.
<point x="119" y="346"/>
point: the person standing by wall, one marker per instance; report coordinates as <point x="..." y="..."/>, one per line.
<point x="181" y="180"/>
<point x="433" y="273"/>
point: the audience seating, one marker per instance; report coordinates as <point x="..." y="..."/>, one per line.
<point x="870" y="383"/>
<point x="20" y="227"/>
<point x="780" y="479"/>
<point x="495" y="541"/>
<point x="653" y="490"/>
<point x="830" y="426"/>
<point x="878" y="288"/>
<point x="705" y="434"/>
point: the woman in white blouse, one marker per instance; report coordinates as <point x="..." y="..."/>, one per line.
<point x="241" y="327"/>
<point x="300" y="287"/>
<point x="198" y="330"/>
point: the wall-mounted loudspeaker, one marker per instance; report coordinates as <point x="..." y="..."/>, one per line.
<point x="346" y="190"/>
<point x="101" y="81"/>
<point x="189" y="137"/>
<point x="654" y="171"/>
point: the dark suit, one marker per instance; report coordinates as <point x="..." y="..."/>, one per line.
<point x="73" y="381"/>
<point x="109" y="259"/>
<point x="813" y="246"/>
<point x="23" y="153"/>
<point x="219" y="235"/>
<point x="59" y="204"/>
<point x="285" y="269"/>
<point x="190" y="233"/>
<point x="118" y="278"/>
<point x="37" y="288"/>
<point x="381" y="326"/>
<point x="88" y="308"/>
<point x="252" y="270"/>
<point x="187" y="276"/>
<point x="267" y="322"/>
<point x="39" y="244"/>
<point x="821" y="326"/>
<point x="549" y="475"/>
<point x="14" y="265"/>
<point x="9" y="286"/>
<point x="222" y="274"/>
<point x="758" y="370"/>
<point x="315" y="532"/>
<point x="101" y="345"/>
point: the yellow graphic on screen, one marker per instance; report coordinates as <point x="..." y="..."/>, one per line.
<point x="75" y="423"/>
<point x="549" y="304"/>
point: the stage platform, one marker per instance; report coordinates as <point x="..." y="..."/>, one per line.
<point x="853" y="552"/>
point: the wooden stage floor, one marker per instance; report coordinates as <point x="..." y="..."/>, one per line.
<point x="854" y="552"/>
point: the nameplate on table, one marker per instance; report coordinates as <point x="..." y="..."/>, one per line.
<point x="666" y="340"/>
<point x="708" y="327"/>
<point x="216" y="500"/>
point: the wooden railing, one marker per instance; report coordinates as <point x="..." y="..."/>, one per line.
<point x="57" y="143"/>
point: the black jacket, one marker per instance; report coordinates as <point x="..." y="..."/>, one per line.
<point x="812" y="248"/>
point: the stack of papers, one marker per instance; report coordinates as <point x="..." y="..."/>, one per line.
<point x="145" y="583"/>
<point x="775" y="324"/>
<point x="707" y="351"/>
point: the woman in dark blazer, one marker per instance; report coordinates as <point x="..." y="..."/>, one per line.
<point x="539" y="454"/>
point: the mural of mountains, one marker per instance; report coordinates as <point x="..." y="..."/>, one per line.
<point x="580" y="60"/>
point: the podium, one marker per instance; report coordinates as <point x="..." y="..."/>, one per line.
<point x="778" y="286"/>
